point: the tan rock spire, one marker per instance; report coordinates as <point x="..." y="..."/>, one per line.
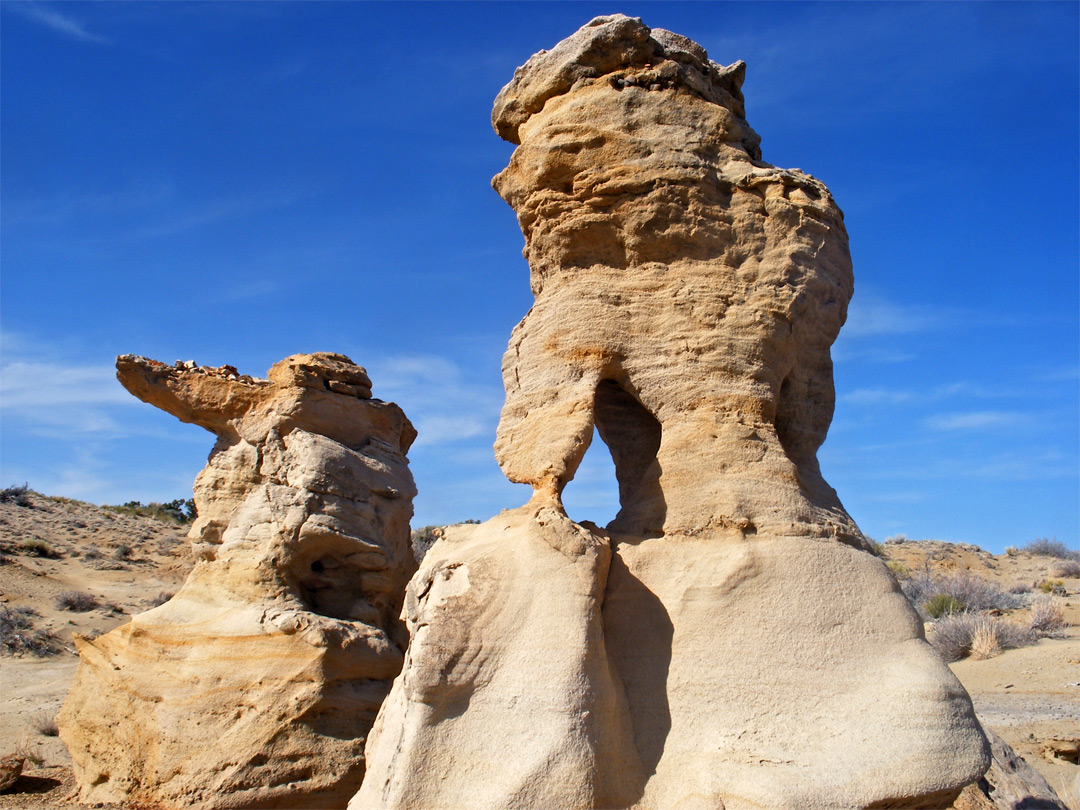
<point x="255" y="685"/>
<point x="728" y="643"/>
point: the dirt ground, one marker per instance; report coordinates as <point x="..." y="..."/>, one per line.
<point x="1030" y="696"/>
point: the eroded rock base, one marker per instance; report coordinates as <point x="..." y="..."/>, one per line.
<point x="554" y="666"/>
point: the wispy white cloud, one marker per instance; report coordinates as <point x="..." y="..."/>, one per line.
<point x="977" y="420"/>
<point x="136" y="214"/>
<point x="60" y="398"/>
<point x="441" y="402"/>
<point x="52" y="19"/>
<point x="46" y="392"/>
<point x="872" y="315"/>
<point x="961" y="389"/>
<point x="875" y="396"/>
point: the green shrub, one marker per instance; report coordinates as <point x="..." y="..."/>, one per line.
<point x="941" y="604"/>
<point x="1055" y="586"/>
<point x="972" y="592"/>
<point x="178" y="511"/>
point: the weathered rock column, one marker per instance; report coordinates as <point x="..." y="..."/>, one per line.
<point x="256" y="684"/>
<point x="728" y="643"/>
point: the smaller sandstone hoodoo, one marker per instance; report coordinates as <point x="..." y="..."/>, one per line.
<point x="257" y="683"/>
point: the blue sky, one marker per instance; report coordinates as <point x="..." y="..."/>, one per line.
<point x="237" y="182"/>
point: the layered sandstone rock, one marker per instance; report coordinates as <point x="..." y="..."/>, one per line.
<point x="1010" y="784"/>
<point x="256" y="684"/>
<point x="728" y="642"/>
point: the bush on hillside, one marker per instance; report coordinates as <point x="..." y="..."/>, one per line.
<point x="77" y="601"/>
<point x="18" y="635"/>
<point x="941" y="604"/>
<point x="1048" y="547"/>
<point x="972" y="593"/>
<point x="178" y="511"/>
<point x="36" y="547"/>
<point x="1047" y="620"/>
<point x="1066" y="568"/>
<point x="20" y="496"/>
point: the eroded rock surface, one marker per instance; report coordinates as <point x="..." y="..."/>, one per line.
<point x="728" y="642"/>
<point x="1010" y="784"/>
<point x="256" y="684"/>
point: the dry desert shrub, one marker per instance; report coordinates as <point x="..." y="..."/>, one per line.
<point x="161" y="599"/>
<point x="1048" y="547"/>
<point x="18" y="635"/>
<point x="36" y="547"/>
<point x="1046" y="619"/>
<point x="76" y="601"/>
<point x="20" y="496"/>
<point x="954" y="636"/>
<point x="956" y="593"/>
<point x="1067" y="569"/>
<point x="423" y="539"/>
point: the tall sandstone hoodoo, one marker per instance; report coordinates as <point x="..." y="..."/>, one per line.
<point x="727" y="642"/>
<point x="256" y="684"/>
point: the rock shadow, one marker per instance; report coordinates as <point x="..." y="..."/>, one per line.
<point x="632" y="435"/>
<point x="32" y="784"/>
<point x="638" y="633"/>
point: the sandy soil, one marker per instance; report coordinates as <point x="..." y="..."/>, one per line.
<point x="124" y="561"/>
<point x="1030" y="696"/>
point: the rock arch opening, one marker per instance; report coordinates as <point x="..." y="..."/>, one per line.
<point x="632" y="436"/>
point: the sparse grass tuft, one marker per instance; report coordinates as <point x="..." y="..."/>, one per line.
<point x="985" y="643"/>
<point x="18" y="635"/>
<point x="25" y="752"/>
<point x="899" y="570"/>
<point x="875" y="548"/>
<point x="77" y="601"/>
<point x="45" y="724"/>
<point x="1049" y="547"/>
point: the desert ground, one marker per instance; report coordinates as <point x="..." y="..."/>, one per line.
<point x="53" y="549"/>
